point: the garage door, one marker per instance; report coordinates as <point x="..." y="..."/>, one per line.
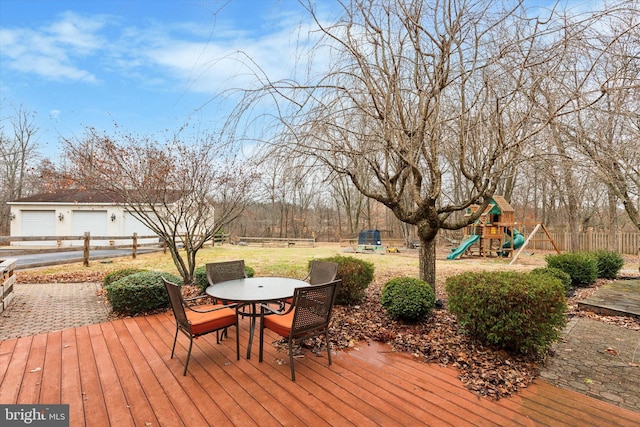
<point x="38" y="223"/>
<point x="95" y="222"/>
<point x="133" y="225"/>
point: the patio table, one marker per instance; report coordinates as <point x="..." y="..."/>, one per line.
<point x="249" y="292"/>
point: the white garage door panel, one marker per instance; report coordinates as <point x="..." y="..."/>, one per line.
<point x="95" y="222"/>
<point x="38" y="223"/>
<point x="133" y="225"/>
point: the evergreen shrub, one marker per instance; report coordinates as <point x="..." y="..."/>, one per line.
<point x="518" y="312"/>
<point x="581" y="266"/>
<point x="609" y="263"/>
<point x="139" y="292"/>
<point x="408" y="298"/>
<point x="119" y="274"/>
<point x="356" y="276"/>
<point x="555" y="272"/>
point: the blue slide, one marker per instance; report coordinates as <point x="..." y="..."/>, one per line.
<point x="466" y="244"/>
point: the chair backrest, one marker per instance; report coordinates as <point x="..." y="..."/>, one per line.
<point x="322" y="272"/>
<point x="313" y="307"/>
<point x="222" y="271"/>
<point x="177" y="304"/>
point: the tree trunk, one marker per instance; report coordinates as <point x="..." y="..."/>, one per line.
<point x="427" y="257"/>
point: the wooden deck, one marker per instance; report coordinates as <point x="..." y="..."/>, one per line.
<point x="119" y="374"/>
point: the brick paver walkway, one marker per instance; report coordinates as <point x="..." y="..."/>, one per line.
<point x="600" y="360"/>
<point x="46" y="307"/>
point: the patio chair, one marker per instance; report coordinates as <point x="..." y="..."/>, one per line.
<point x="221" y="272"/>
<point x="195" y="321"/>
<point x="321" y="272"/>
<point x="307" y="317"/>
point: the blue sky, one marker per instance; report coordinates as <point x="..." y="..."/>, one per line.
<point x="145" y="65"/>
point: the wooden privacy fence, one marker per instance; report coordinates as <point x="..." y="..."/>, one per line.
<point x="623" y="243"/>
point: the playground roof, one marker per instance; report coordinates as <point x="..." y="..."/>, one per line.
<point x="503" y="204"/>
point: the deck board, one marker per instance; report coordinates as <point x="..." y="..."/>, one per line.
<point x="93" y="396"/>
<point x="120" y="373"/>
<point x="30" y="387"/>
<point x="12" y="381"/>
<point x="70" y="384"/>
<point x="141" y="410"/>
<point x="50" y="389"/>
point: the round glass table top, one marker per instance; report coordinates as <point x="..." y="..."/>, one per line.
<point x="255" y="289"/>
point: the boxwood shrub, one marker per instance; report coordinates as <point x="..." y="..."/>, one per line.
<point x="200" y="276"/>
<point x="581" y="266"/>
<point x="518" y="312"/>
<point x="407" y="298"/>
<point x="139" y="292"/>
<point x="557" y="273"/>
<point x="356" y="276"/>
<point x="609" y="263"/>
<point x="119" y="274"/>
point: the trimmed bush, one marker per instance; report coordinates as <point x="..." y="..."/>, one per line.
<point x="581" y="266"/>
<point x="119" y="274"/>
<point x="200" y="276"/>
<point x="518" y="312"/>
<point x="557" y="273"/>
<point x="139" y="292"/>
<point x="408" y="298"/>
<point x="356" y="276"/>
<point x="249" y="271"/>
<point x="609" y="263"/>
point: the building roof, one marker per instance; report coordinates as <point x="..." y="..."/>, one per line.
<point x="79" y="196"/>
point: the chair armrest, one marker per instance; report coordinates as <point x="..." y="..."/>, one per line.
<point x="216" y="308"/>
<point x="196" y="297"/>
<point x="264" y="308"/>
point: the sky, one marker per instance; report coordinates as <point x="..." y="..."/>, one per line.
<point x="146" y="66"/>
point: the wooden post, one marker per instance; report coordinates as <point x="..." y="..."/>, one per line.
<point x="85" y="254"/>
<point x="550" y="238"/>
<point x="135" y="245"/>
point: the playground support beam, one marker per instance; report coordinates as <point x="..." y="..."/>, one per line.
<point x="529" y="238"/>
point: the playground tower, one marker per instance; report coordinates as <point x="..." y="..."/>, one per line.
<point x="493" y="232"/>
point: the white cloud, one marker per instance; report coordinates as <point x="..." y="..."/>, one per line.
<point x="54" y="51"/>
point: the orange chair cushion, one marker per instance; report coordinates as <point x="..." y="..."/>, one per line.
<point x="280" y="324"/>
<point x="201" y="323"/>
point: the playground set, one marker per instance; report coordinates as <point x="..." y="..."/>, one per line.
<point x="493" y="232"/>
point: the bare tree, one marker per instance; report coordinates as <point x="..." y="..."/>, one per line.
<point x="186" y="192"/>
<point x="18" y="148"/>
<point x="351" y="200"/>
<point x="432" y="100"/>
<point x="609" y="134"/>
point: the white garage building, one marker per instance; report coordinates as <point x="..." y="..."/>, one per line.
<point x="73" y="213"/>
